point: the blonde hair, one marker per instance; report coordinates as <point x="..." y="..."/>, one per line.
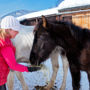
<point x="2" y="33"/>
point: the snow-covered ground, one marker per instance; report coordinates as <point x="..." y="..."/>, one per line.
<point x="38" y="78"/>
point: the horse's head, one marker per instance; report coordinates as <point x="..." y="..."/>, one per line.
<point x="43" y="44"/>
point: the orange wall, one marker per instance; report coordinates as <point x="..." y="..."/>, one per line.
<point x="82" y="19"/>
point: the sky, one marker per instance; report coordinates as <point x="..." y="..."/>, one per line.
<point x="8" y="6"/>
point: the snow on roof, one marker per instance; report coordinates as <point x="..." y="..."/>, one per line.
<point x="38" y="14"/>
<point x="63" y="5"/>
<point x="73" y="3"/>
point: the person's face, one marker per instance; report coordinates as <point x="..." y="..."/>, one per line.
<point x="11" y="33"/>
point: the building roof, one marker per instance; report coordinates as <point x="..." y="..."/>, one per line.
<point x="77" y="8"/>
<point x="46" y="12"/>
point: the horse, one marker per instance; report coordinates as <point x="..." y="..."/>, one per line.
<point x="55" y="65"/>
<point x="74" y="40"/>
<point x="23" y="43"/>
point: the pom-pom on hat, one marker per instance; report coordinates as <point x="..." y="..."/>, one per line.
<point x="10" y="22"/>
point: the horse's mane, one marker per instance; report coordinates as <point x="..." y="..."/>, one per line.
<point x="76" y="31"/>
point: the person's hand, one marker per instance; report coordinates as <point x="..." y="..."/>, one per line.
<point x="33" y="68"/>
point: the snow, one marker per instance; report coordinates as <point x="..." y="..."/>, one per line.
<point x="39" y="13"/>
<point x="73" y="3"/>
<point x="64" y="4"/>
<point x="38" y="78"/>
<point x="27" y="28"/>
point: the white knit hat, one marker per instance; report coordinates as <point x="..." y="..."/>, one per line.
<point x="10" y="22"/>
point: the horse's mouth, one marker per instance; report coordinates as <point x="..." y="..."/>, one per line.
<point x="36" y="63"/>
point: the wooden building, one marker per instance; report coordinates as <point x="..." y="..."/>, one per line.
<point x="78" y="15"/>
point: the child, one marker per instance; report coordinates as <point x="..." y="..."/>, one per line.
<point x="10" y="27"/>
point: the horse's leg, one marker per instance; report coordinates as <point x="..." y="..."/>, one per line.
<point x="89" y="78"/>
<point x="21" y="79"/>
<point x="10" y="80"/>
<point x="55" y="66"/>
<point x="65" y="71"/>
<point x="75" y="73"/>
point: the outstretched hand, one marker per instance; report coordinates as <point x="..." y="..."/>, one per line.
<point x="33" y="68"/>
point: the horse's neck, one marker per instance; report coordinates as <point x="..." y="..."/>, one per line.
<point x="60" y="30"/>
<point x="60" y="35"/>
<point x="67" y="35"/>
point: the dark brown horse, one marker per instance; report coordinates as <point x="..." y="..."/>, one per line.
<point x="74" y="40"/>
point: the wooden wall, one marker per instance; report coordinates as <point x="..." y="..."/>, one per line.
<point x="80" y="19"/>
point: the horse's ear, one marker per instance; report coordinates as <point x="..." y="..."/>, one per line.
<point x="37" y="21"/>
<point x="44" y="21"/>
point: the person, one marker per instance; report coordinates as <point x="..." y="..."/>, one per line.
<point x="10" y="27"/>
